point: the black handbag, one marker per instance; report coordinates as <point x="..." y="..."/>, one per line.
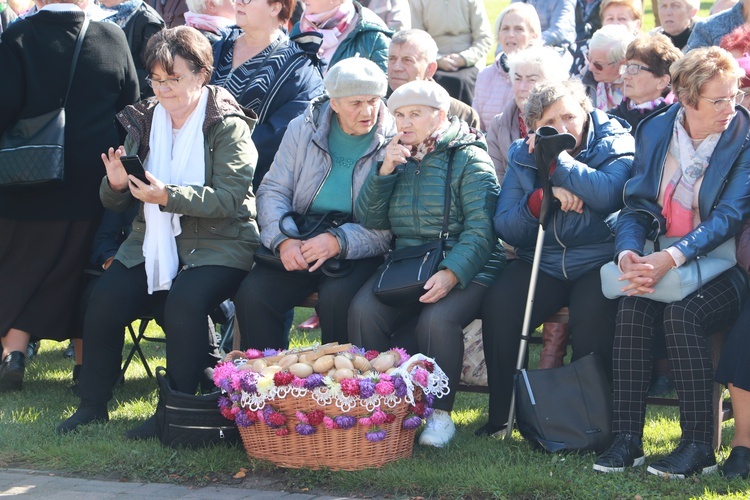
<point x="401" y="279"/>
<point x="308" y="226"/>
<point x="190" y="421"/>
<point x="32" y="152"/>
<point x="567" y="408"/>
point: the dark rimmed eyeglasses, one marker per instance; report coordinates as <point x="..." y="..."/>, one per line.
<point x="720" y="104"/>
<point x="167" y="82"/>
<point x="634" y="69"/>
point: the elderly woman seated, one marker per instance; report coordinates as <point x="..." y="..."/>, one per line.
<point x="517" y="27"/>
<point x="196" y="218"/>
<point x="406" y="195"/>
<point x="322" y="162"/>
<point x="690" y="184"/>
<point x="645" y="78"/>
<point x="606" y="54"/>
<point x="677" y="20"/>
<point x="588" y="182"/>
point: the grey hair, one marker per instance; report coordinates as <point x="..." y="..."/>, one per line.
<point x="614" y="38"/>
<point x="199" y="6"/>
<point x="545" y="94"/>
<point x="421" y="39"/>
<point x="549" y="62"/>
<point x="524" y="10"/>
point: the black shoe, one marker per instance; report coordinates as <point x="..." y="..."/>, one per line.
<point x="87" y="413"/>
<point x="70" y="351"/>
<point x="490" y="430"/>
<point x="147" y="430"/>
<point x="661" y="385"/>
<point x="688" y="459"/>
<point x="11" y="372"/>
<point x="625" y="451"/>
<point x="737" y="464"/>
<point x="32" y="349"/>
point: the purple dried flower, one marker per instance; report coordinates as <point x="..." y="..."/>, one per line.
<point x="242" y="420"/>
<point x="429" y="399"/>
<point x="375" y="436"/>
<point x="345" y="421"/>
<point x="304" y="429"/>
<point x="226" y="385"/>
<point x="412" y="422"/>
<point x="269" y="352"/>
<point x="366" y="388"/>
<point x="314" y="380"/>
<point x="400" y="386"/>
<point x="235" y="398"/>
<point x="357" y="350"/>
<point x="427" y="412"/>
<point x="224" y="402"/>
<point x="246" y="383"/>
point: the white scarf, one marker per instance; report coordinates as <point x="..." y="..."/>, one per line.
<point x="179" y="164"/>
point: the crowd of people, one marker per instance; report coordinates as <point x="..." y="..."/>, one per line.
<point x="379" y="120"/>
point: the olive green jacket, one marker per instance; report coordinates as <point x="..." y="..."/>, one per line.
<point x="218" y="218"/>
<point x="410" y="203"/>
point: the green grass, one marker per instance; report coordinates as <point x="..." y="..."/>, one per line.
<point x="468" y="468"/>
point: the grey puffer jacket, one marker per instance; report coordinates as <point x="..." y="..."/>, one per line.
<point x="300" y="168"/>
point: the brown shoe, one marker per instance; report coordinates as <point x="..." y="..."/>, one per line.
<point x="554" y="345"/>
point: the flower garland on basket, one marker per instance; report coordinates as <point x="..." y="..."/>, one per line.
<point x="347" y="379"/>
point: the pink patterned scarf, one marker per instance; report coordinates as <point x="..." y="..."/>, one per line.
<point x="680" y="192"/>
<point x="332" y="24"/>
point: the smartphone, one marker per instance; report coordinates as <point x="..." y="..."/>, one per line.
<point x="133" y="166"/>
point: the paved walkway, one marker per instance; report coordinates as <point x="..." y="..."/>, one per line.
<point x="35" y="484"/>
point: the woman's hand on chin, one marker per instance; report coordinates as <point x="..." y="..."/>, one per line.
<point x="155" y="193"/>
<point x="438" y="286"/>
<point x="644" y="273"/>
<point x="319" y="249"/>
<point x="116" y="174"/>
<point x="395" y="154"/>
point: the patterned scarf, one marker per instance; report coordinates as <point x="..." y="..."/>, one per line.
<point x="651" y="105"/>
<point x="680" y="192"/>
<point x="122" y="12"/>
<point x="419" y="151"/>
<point x="522" y="126"/>
<point x="206" y="22"/>
<point x="331" y="24"/>
<point x="607" y="96"/>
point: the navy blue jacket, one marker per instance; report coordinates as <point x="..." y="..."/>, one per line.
<point x="575" y="243"/>
<point x="724" y="198"/>
<point x="297" y="83"/>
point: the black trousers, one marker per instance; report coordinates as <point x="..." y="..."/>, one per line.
<point x="591" y="324"/>
<point x="687" y="324"/>
<point x="121" y="295"/>
<point x="438" y="330"/>
<point x="266" y="294"/>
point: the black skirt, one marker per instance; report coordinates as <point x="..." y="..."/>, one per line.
<point x="41" y="266"/>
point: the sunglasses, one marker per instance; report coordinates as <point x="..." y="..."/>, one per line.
<point x="599" y="66"/>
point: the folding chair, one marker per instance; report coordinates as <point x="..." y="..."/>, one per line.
<point x="136" y="349"/>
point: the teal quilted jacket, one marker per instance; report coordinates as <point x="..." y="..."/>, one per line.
<point x="410" y="203"/>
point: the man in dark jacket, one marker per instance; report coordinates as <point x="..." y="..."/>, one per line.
<point x="412" y="55"/>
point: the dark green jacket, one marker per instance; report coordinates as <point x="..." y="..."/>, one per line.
<point x="369" y="39"/>
<point x="410" y="203"/>
<point x="218" y="218"/>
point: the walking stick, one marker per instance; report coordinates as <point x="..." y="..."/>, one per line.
<point x="548" y="144"/>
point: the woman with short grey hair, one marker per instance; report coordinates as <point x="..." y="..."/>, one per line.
<point x="605" y="56"/>
<point x="587" y="180"/>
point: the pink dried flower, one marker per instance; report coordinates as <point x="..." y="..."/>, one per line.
<point x="366" y="421"/>
<point x="329" y="423"/>
<point x="420" y="377"/>
<point x="350" y="386"/>
<point x="282" y="432"/>
<point x="404" y="355"/>
<point x="302" y="417"/>
<point x="298" y="382"/>
<point x="384" y="388"/>
<point x="378" y="417"/>
<point x="253" y="354"/>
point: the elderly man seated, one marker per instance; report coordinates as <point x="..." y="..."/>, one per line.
<point x="412" y="55"/>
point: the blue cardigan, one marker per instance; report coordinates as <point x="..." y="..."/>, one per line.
<point x="710" y="31"/>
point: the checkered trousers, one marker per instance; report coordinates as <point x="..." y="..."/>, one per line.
<point x="686" y="324"/>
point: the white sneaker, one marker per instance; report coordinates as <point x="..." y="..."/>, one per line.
<point x="439" y="429"/>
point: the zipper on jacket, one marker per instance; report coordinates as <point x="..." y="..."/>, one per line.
<point x="380" y="281"/>
<point x="565" y="249"/>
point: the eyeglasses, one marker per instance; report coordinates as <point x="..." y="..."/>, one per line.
<point x="244" y="2"/>
<point x="720" y="104"/>
<point x="599" y="66"/>
<point x="170" y="83"/>
<point x="634" y="69"/>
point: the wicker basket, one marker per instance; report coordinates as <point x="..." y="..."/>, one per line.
<point x="336" y="449"/>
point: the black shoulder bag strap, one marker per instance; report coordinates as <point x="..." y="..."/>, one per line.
<point x="447" y="207"/>
<point x="76" y="53"/>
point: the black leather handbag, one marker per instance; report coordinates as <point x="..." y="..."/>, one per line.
<point x="32" y="152"/>
<point x="567" y="408"/>
<point x="308" y="226"/>
<point x="401" y="279"/>
<point x="190" y="421"/>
